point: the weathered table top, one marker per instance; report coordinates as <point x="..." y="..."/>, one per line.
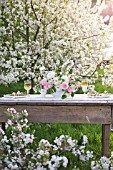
<point x="79" y="99"/>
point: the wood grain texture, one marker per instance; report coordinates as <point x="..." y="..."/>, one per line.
<point x="63" y="114"/>
<point x="1" y="151"/>
<point x="112" y="117"/>
<point x="105" y="139"/>
<point x="49" y="102"/>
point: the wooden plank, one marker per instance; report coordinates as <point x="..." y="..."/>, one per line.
<point x="64" y="114"/>
<point x="3" y="117"/>
<point x="30" y="101"/>
<point x="1" y="151"/>
<point x="105" y="139"/>
<point x="112" y="118"/>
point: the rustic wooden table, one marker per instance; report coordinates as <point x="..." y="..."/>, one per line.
<point x="80" y="109"/>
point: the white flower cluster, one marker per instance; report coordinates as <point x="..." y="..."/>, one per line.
<point x="50" y="33"/>
<point x="55" y="160"/>
<point x="64" y="142"/>
<point x="103" y="163"/>
<point x="21" y="151"/>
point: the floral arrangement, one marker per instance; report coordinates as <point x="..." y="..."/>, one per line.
<point x="61" y="80"/>
<point x="44" y="81"/>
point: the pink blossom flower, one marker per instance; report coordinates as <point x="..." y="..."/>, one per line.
<point x="64" y="85"/>
<point x="79" y="84"/>
<point x="40" y="86"/>
<point x="43" y="81"/>
<point x="46" y="86"/>
<point x="71" y="89"/>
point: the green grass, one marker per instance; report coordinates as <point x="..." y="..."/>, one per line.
<point x="50" y="131"/>
<point x="93" y="132"/>
<point x="14" y="87"/>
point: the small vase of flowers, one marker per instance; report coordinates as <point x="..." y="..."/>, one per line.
<point x="44" y="83"/>
<point x="63" y="85"/>
<point x="56" y="83"/>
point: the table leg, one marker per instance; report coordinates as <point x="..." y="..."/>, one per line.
<point x="112" y="118"/>
<point x="2" y="125"/>
<point x="105" y="139"/>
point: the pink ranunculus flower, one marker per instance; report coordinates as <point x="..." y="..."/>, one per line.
<point x="64" y="85"/>
<point x="46" y="86"/>
<point x="71" y="89"/>
<point x="43" y="81"/>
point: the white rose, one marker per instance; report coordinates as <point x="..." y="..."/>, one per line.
<point x="65" y="78"/>
<point x="42" y="68"/>
<point x="51" y="75"/>
<point x="56" y="81"/>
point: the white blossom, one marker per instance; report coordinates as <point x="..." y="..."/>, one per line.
<point x="66" y="32"/>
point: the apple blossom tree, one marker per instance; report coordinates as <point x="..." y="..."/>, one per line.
<point x="51" y="35"/>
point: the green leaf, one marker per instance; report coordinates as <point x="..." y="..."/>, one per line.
<point x="8" y="114"/>
<point x="64" y="96"/>
<point x="72" y="94"/>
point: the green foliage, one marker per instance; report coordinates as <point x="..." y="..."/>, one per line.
<point x="50" y="131"/>
<point x="98" y="85"/>
<point x="8" y="89"/>
<point x="101" y="88"/>
<point x="64" y="96"/>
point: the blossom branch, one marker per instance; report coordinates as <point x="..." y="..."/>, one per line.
<point x="27" y="24"/>
<point x="33" y="10"/>
<point x="16" y="29"/>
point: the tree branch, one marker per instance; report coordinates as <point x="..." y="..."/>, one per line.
<point x="27" y="27"/>
<point x="13" y="38"/>
<point x="91" y="74"/>
<point x="48" y="43"/>
<point x="51" y="21"/>
<point x="37" y="31"/>
<point x="89" y="37"/>
<point x="83" y="38"/>
<point x="33" y="10"/>
<point x="21" y="33"/>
